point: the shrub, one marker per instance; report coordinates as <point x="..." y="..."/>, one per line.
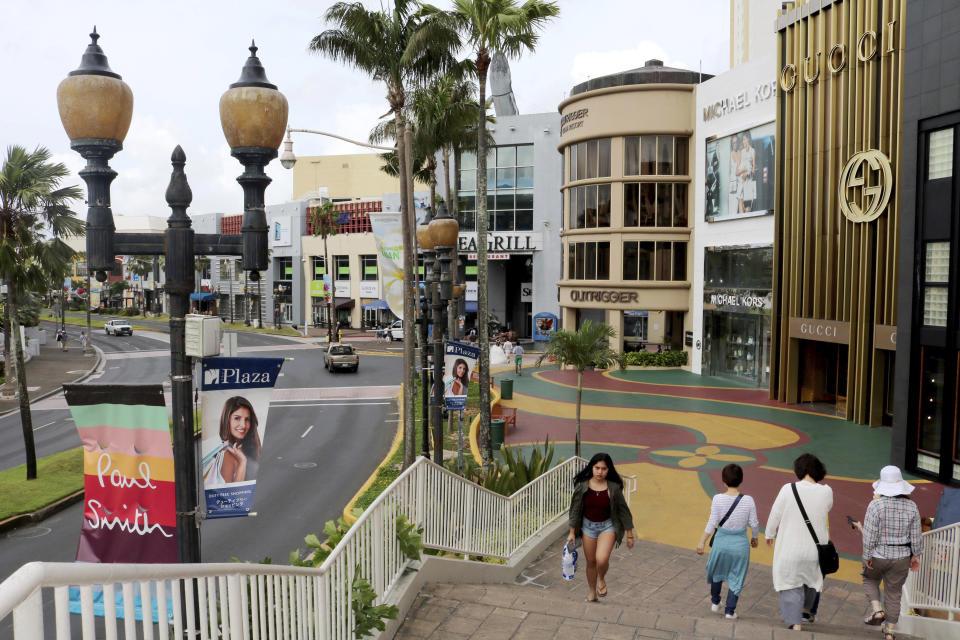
<point x="663" y="359"/>
<point x="131" y="311"/>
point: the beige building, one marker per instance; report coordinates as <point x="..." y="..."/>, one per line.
<point x="352" y="176"/>
<point x="627" y="199"/>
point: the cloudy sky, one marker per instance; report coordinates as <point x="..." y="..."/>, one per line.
<point x="178" y="57"/>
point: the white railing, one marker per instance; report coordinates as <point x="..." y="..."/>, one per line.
<point x="253" y="602"/>
<point x="936" y="586"/>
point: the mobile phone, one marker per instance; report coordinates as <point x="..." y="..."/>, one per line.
<point x="851" y="522"/>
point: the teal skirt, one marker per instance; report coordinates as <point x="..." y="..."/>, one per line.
<point x="729" y="558"/>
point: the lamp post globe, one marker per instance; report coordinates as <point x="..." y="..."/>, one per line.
<point x="287" y="159"/>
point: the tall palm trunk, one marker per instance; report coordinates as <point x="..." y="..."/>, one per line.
<point x="576" y="443"/>
<point x="486" y="445"/>
<point x="26" y="420"/>
<point x="409" y="283"/>
<point x="454" y="264"/>
<point x="10" y="378"/>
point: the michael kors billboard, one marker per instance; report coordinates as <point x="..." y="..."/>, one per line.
<point x="840" y="77"/>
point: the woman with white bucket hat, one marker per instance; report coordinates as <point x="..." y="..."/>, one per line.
<point x="891" y="546"/>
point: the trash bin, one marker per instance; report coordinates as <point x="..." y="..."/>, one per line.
<point x="506" y="389"/>
<point x="497" y="427"/>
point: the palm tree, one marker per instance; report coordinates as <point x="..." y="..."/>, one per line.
<point x="323" y="219"/>
<point x="400" y="48"/>
<point x="492" y="26"/>
<point x="32" y="203"/>
<point x="141" y="266"/>
<point x="581" y="349"/>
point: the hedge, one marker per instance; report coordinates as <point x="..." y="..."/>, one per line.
<point x="651" y="359"/>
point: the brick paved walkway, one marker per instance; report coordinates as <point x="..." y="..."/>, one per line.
<point x="655" y="591"/>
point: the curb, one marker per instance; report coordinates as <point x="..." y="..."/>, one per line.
<point x="90" y="372"/>
<point x="348" y="516"/>
<point x="41" y="514"/>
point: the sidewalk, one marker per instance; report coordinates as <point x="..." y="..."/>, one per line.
<point x="655" y="591"/>
<point x="53" y="368"/>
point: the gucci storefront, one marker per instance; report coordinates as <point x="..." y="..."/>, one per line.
<point x="836" y="237"/>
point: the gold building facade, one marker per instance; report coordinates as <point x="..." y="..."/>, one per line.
<point x="838" y="216"/>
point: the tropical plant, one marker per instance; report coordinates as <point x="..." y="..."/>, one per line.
<point x="399" y="47"/>
<point x="588" y="347"/>
<point x="666" y="358"/>
<point x="142" y="266"/>
<point x="323" y="219"/>
<point x="491" y="26"/>
<point x="513" y="473"/>
<point x="33" y="206"/>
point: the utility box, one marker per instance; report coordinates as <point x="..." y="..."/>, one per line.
<point x="202" y="335"/>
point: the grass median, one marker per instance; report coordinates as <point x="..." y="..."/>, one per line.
<point x="58" y="476"/>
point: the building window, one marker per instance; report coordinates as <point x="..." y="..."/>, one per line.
<point x="319" y="268"/>
<point x="590" y="159"/>
<point x="660" y="260"/>
<point x="656" y="155"/>
<point x="341" y="266"/>
<point x="226" y="269"/>
<point x="738" y="268"/>
<point x="509" y="189"/>
<point x="935" y="279"/>
<point x="932" y="377"/>
<point x="652" y="204"/>
<point x="284" y="269"/>
<point x="940" y="156"/>
<point x="369" y="264"/>
<point x="590" y="207"/>
<point x="588" y="260"/>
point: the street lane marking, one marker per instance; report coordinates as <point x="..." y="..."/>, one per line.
<point x="307" y="431"/>
<point x="46" y="425"/>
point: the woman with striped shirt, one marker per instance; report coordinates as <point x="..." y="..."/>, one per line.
<point x="730" y="515"/>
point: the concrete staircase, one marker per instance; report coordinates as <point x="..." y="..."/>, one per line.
<point x="655" y="591"/>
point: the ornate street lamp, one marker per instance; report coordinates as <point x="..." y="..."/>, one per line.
<point x="96" y="107"/>
<point x="443" y="232"/>
<point x="425" y="245"/>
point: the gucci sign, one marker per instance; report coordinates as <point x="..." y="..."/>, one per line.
<point x="869" y="173"/>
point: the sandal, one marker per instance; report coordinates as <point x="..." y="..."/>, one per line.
<point x="876" y="618"/>
<point x="887" y="635"/>
<point x="603" y="593"/>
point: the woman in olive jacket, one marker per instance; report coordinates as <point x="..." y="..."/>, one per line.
<point x="600" y="515"/>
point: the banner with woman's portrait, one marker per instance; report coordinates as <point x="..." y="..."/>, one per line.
<point x="234" y="401"/>
<point x="459" y="368"/>
<point x="740" y="174"/>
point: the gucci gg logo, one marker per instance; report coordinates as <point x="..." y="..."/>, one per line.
<point x="868" y="178"/>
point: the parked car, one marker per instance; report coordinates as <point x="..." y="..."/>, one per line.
<point x="340" y="356"/>
<point x="395" y="331"/>
<point x="117" y="328"/>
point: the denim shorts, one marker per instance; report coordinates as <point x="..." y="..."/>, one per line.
<point x="593" y="529"/>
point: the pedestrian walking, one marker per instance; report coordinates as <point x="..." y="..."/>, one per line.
<point x="379" y="334"/>
<point x="796" y="560"/>
<point x="600" y="516"/>
<point x="518" y="359"/>
<point x="891" y="547"/>
<point x="730" y="514"/>
<point x="507" y="347"/>
<point x="83" y="340"/>
<point x="60" y="339"/>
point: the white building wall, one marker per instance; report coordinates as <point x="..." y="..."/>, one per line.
<point x="747" y="98"/>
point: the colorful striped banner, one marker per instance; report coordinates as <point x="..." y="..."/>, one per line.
<point x="129" y="512"/>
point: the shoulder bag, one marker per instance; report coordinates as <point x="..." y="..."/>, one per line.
<point x="827" y="553"/>
<point x="724" y="518"/>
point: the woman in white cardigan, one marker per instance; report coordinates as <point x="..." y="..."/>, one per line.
<point x="796" y="564"/>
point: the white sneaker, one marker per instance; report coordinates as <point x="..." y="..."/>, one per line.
<point x="715" y="607"/>
<point x="732" y="616"/>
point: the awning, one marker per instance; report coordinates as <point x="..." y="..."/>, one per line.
<point x="343" y="303"/>
<point x="376" y="305"/>
<point x="203" y="296"/>
<point x="470" y="306"/>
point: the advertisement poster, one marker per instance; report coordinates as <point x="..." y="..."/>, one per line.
<point x="740" y="174"/>
<point x="234" y="401"/>
<point x="544" y="326"/>
<point x="129" y="502"/>
<point x="459" y="368"/>
<point x="388" y="235"/>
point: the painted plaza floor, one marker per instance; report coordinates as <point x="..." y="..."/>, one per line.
<point x="675" y="431"/>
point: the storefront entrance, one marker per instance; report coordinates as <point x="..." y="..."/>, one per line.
<point x="737" y="346"/>
<point x="823" y="376"/>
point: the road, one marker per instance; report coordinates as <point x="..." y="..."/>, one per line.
<point x="326" y="433"/>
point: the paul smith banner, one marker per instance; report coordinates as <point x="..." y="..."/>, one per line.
<point x="234" y="400"/>
<point x="129" y="504"/>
